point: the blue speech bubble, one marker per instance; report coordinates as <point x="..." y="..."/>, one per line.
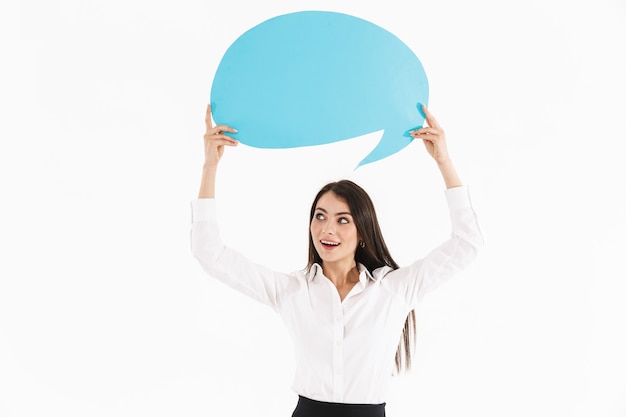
<point x="314" y="77"/>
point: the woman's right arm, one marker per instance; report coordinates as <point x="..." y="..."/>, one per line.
<point x="217" y="259"/>
<point x="214" y="142"/>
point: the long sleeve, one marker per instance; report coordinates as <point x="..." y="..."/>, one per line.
<point x="446" y="260"/>
<point x="231" y="267"/>
<point x="344" y="349"/>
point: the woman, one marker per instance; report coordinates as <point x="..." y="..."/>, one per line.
<point x="349" y="308"/>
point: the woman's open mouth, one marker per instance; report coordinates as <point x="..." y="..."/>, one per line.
<point x="329" y="244"/>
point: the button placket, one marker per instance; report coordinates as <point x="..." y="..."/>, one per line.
<point x="338" y="328"/>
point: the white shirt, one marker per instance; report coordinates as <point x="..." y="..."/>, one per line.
<point x="345" y="351"/>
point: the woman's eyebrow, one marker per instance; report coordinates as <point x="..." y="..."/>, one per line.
<point x="341" y="213"/>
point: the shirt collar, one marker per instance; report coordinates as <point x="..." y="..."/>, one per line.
<point x="364" y="274"/>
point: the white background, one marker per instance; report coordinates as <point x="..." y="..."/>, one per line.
<point x="103" y="311"/>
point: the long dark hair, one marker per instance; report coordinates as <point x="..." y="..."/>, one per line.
<point x="375" y="253"/>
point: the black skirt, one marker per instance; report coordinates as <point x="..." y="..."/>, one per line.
<point x="312" y="408"/>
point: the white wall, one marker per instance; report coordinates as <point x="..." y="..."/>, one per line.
<point x="103" y="311"/>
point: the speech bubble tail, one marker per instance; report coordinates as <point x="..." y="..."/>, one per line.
<point x="391" y="142"/>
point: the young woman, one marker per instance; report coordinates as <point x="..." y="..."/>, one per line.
<point x="351" y="306"/>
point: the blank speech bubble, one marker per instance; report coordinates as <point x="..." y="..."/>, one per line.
<point x="315" y="77"/>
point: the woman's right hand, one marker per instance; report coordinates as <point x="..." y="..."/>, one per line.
<point x="215" y="140"/>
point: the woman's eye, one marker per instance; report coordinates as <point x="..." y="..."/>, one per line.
<point x="343" y="220"/>
<point x="319" y="216"/>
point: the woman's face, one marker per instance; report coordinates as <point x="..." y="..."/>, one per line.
<point x="333" y="230"/>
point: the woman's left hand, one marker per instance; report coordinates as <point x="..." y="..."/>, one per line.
<point x="434" y="138"/>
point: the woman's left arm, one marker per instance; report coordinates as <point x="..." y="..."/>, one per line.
<point x="435" y="141"/>
<point x="460" y="249"/>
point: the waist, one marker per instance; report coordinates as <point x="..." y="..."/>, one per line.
<point x="312" y="408"/>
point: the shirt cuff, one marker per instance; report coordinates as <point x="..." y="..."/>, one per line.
<point x="458" y="197"/>
<point x="203" y="209"/>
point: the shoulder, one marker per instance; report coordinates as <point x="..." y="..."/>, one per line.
<point x="380" y="273"/>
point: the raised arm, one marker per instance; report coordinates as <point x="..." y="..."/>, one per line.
<point x="218" y="260"/>
<point x="214" y="142"/>
<point x="460" y="249"/>
<point x="435" y="141"/>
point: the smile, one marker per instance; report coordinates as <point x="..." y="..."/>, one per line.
<point x="329" y="243"/>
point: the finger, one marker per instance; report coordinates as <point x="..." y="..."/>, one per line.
<point x="226" y="142"/>
<point x="430" y="131"/>
<point x="218" y="138"/>
<point x="224" y="128"/>
<point x="207" y="118"/>
<point x="430" y="119"/>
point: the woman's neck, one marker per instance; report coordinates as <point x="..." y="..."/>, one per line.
<point x="341" y="274"/>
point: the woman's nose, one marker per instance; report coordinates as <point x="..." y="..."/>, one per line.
<point x="328" y="229"/>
